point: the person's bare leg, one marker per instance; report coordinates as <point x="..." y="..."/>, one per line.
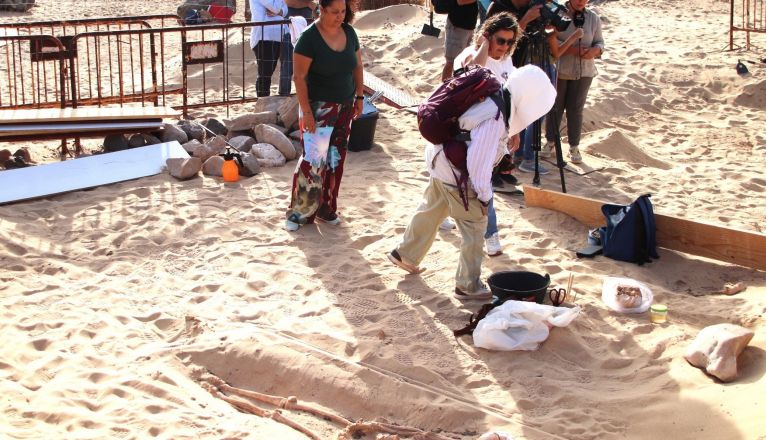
<point x="447" y="71"/>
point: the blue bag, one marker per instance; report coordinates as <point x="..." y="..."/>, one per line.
<point x="630" y="233"/>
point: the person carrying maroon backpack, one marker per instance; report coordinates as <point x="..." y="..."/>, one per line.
<point x="531" y="96"/>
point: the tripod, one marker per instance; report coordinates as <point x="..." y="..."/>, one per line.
<point x="538" y="54"/>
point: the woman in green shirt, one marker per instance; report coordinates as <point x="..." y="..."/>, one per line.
<point x="327" y="65"/>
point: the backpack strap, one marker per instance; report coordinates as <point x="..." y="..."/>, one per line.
<point x="502" y="100"/>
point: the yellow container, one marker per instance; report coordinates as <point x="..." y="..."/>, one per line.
<point x="658" y="313"/>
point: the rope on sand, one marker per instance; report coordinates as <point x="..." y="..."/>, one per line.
<point x="352" y="430"/>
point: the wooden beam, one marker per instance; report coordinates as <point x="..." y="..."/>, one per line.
<point x="734" y="246"/>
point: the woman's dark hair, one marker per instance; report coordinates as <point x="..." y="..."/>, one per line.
<point x="350" y="9"/>
<point x="502" y="21"/>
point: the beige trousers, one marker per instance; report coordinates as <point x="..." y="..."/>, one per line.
<point x="439" y="201"/>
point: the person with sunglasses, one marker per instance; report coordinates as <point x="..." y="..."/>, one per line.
<point x="493" y="48"/>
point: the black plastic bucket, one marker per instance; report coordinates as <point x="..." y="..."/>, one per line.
<point x="518" y="286"/>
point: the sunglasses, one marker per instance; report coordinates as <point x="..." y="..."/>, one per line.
<point x="503" y="41"/>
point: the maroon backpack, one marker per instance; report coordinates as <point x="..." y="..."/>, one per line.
<point x="438" y="115"/>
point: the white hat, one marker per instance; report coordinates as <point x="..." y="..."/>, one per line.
<point x="532" y="96"/>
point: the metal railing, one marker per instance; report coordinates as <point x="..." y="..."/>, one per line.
<point x="746" y="16"/>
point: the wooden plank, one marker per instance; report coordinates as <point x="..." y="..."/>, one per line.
<point x="736" y="246"/>
<point x="86" y="172"/>
<point x="47" y="115"/>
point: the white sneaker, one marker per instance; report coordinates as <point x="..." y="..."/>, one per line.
<point x="447" y="225"/>
<point x="574" y="154"/>
<point x="547" y="150"/>
<point x="481" y="292"/>
<point x="291" y="226"/>
<point x="493" y="245"/>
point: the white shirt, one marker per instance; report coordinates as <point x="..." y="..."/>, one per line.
<point x="259" y="9"/>
<point x="502" y="68"/>
<point x="482" y="149"/>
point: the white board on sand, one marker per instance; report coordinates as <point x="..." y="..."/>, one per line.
<point x="86" y="172"/>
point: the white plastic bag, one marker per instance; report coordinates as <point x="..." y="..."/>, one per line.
<point x="609" y="295"/>
<point x="316" y="145"/>
<point x="520" y="325"/>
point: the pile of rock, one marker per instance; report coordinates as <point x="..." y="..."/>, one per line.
<point x="20" y="159"/>
<point x="260" y="137"/>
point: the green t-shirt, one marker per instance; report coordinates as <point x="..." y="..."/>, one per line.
<point x="330" y="76"/>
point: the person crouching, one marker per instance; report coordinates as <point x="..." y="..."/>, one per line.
<point x="531" y="96"/>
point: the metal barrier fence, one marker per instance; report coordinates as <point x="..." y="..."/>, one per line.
<point x="746" y="16"/>
<point x="184" y="67"/>
<point x="30" y="76"/>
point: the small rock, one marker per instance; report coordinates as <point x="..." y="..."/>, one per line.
<point x="216" y="126"/>
<point x="137" y="140"/>
<point x="234" y="133"/>
<point x="496" y="435"/>
<point x="247" y="122"/>
<point x="251" y="168"/>
<point x="170" y="133"/>
<point x="213" y="166"/>
<point x="242" y="143"/>
<point x="115" y="142"/>
<point x="288" y="112"/>
<point x="295" y="135"/>
<point x="150" y="140"/>
<point x="715" y="349"/>
<point x="267" y="155"/>
<point x="184" y="168"/>
<point x="270" y="135"/>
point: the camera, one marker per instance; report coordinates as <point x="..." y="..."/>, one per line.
<point x="552" y="14"/>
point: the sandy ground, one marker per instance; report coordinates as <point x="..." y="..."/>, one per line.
<point x="117" y="301"/>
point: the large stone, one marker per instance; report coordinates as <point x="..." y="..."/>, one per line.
<point x="213" y="166"/>
<point x="23" y="154"/>
<point x="115" y="142"/>
<point x="242" y="143"/>
<point x="192" y="130"/>
<point x="270" y="135"/>
<point x="251" y="165"/>
<point x="269" y="103"/>
<point x="288" y="112"/>
<point x="183" y="168"/>
<point x="247" y="122"/>
<point x="234" y="133"/>
<point x="136" y="140"/>
<point x="150" y="140"/>
<point x="279" y="128"/>
<point x="267" y="155"/>
<point x="5" y="155"/>
<point x="295" y="134"/>
<point x="192" y="147"/>
<point x="216" y="126"/>
<point x="716" y="349"/>
<point x="170" y="133"/>
<point x="217" y="144"/>
<point x="298" y="148"/>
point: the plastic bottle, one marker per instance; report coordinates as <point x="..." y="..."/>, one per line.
<point x="230" y="170"/>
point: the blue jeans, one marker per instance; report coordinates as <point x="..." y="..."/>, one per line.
<point x="491" y="219"/>
<point x="286" y="69"/>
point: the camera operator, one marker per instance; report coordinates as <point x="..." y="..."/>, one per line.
<point x="534" y="48"/>
<point x="576" y="71"/>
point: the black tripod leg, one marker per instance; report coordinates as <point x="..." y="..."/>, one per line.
<point x="560" y="160"/>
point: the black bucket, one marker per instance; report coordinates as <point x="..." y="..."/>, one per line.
<point x="518" y="286"/>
